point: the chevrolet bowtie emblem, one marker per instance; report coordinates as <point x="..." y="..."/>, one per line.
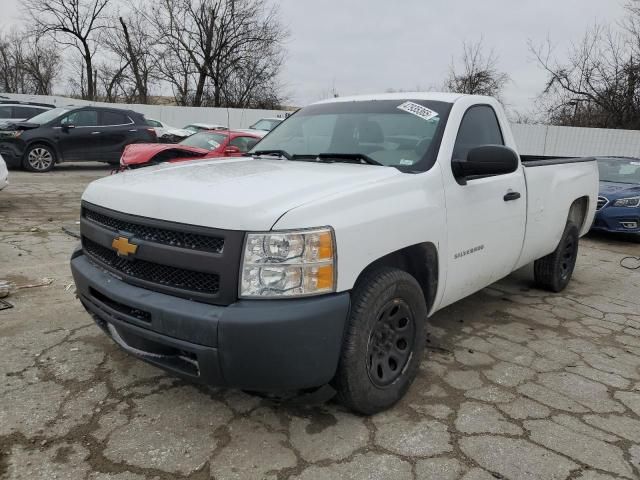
<point x="123" y="246"/>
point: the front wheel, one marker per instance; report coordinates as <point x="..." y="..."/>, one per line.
<point x="384" y="342"/>
<point x="39" y="158"/>
<point x="554" y="271"/>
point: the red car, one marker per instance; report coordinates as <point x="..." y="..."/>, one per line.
<point x="201" y="145"/>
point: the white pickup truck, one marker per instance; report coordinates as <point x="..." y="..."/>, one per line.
<point x="317" y="259"/>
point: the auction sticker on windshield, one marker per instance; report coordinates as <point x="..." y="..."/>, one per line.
<point x="418" y="110"/>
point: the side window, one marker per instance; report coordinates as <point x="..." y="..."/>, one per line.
<point x="114" y="118"/>
<point x="154" y="123"/>
<point x="479" y="127"/>
<point x="26" y="112"/>
<point x="5" y="112"/>
<point x="243" y="143"/>
<point x="81" y="118"/>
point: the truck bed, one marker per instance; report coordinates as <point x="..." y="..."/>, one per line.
<point x="552" y="187"/>
<point x="541" y="161"/>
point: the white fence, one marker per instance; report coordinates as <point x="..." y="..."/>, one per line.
<point x="538" y="140"/>
<point x="575" y="142"/>
<point x="174" y="116"/>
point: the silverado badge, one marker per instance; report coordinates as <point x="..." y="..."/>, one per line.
<point x="123" y="246"/>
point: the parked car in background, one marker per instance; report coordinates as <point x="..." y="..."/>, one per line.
<point x="73" y="134"/>
<point x="619" y="198"/>
<point x="201" y="145"/>
<point x="4" y="174"/>
<point x="266" y="124"/>
<point x="166" y="133"/>
<point x="14" y="111"/>
<point x="199" y="127"/>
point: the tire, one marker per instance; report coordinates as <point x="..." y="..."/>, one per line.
<point x="384" y="342"/>
<point x="39" y="158"/>
<point x="554" y="271"/>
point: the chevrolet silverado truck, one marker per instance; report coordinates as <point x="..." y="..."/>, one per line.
<point x="316" y="260"/>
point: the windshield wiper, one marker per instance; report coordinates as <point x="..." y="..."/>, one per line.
<point x="349" y="157"/>
<point x="278" y="153"/>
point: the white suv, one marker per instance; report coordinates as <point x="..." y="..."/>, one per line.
<point x="13" y="111"/>
<point x="4" y="174"/>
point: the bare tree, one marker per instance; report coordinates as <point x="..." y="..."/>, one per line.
<point x="597" y="85"/>
<point x="478" y="74"/>
<point x="128" y="39"/>
<point x="74" y="23"/>
<point x="204" y="46"/>
<point x="27" y="65"/>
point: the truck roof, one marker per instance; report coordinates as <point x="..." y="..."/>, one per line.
<point x="435" y="96"/>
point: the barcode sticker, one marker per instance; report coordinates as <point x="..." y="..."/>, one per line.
<point x="418" y="110"/>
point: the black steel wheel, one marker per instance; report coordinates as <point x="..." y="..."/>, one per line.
<point x="554" y="271"/>
<point x="384" y="342"/>
<point x="390" y="343"/>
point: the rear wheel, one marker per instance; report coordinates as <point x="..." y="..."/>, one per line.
<point x="554" y="271"/>
<point x="39" y="158"/>
<point x="384" y="342"/>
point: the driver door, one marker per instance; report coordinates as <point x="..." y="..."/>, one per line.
<point x="485" y="225"/>
<point x="78" y="136"/>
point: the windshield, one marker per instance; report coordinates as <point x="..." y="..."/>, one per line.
<point x="619" y="170"/>
<point x="49" y="115"/>
<point x="206" y="140"/>
<point x="395" y="133"/>
<point x="267" y="125"/>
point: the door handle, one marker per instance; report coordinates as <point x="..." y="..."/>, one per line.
<point x="95" y="133"/>
<point x="509" y="196"/>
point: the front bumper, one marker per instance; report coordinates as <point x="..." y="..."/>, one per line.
<point x="11" y="154"/>
<point x="617" y="219"/>
<point x="263" y="345"/>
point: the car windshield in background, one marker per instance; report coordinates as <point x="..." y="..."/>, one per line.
<point x="619" y="170"/>
<point x="49" y="115"/>
<point x="206" y="140"/>
<point x="267" y="125"/>
<point x="396" y="133"/>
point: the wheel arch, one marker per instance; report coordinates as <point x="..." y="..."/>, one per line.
<point x="578" y="212"/>
<point x="420" y="261"/>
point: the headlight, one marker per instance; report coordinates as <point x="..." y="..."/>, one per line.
<point x="12" y="133"/>
<point x="627" y="202"/>
<point x="288" y="264"/>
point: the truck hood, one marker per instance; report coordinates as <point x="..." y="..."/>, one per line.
<point x="234" y="194"/>
<point x="615" y="190"/>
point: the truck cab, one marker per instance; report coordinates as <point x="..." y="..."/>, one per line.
<point x="318" y="259"/>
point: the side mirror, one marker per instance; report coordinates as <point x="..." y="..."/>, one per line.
<point x="485" y="161"/>
<point x="231" y="150"/>
<point x="68" y="126"/>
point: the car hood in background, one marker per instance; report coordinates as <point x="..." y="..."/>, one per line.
<point x="141" y="153"/>
<point x="615" y="190"/>
<point x="235" y="194"/>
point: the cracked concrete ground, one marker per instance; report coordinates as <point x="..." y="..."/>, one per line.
<point x="517" y="383"/>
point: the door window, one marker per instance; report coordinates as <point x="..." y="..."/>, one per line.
<point x="243" y="143"/>
<point x="26" y="112"/>
<point x="82" y="118"/>
<point x="479" y="127"/>
<point x="114" y="119"/>
<point x="5" y="112"/>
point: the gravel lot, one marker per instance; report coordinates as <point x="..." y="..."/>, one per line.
<point x="517" y="384"/>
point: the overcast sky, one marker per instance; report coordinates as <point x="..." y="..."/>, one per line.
<point x="366" y="46"/>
